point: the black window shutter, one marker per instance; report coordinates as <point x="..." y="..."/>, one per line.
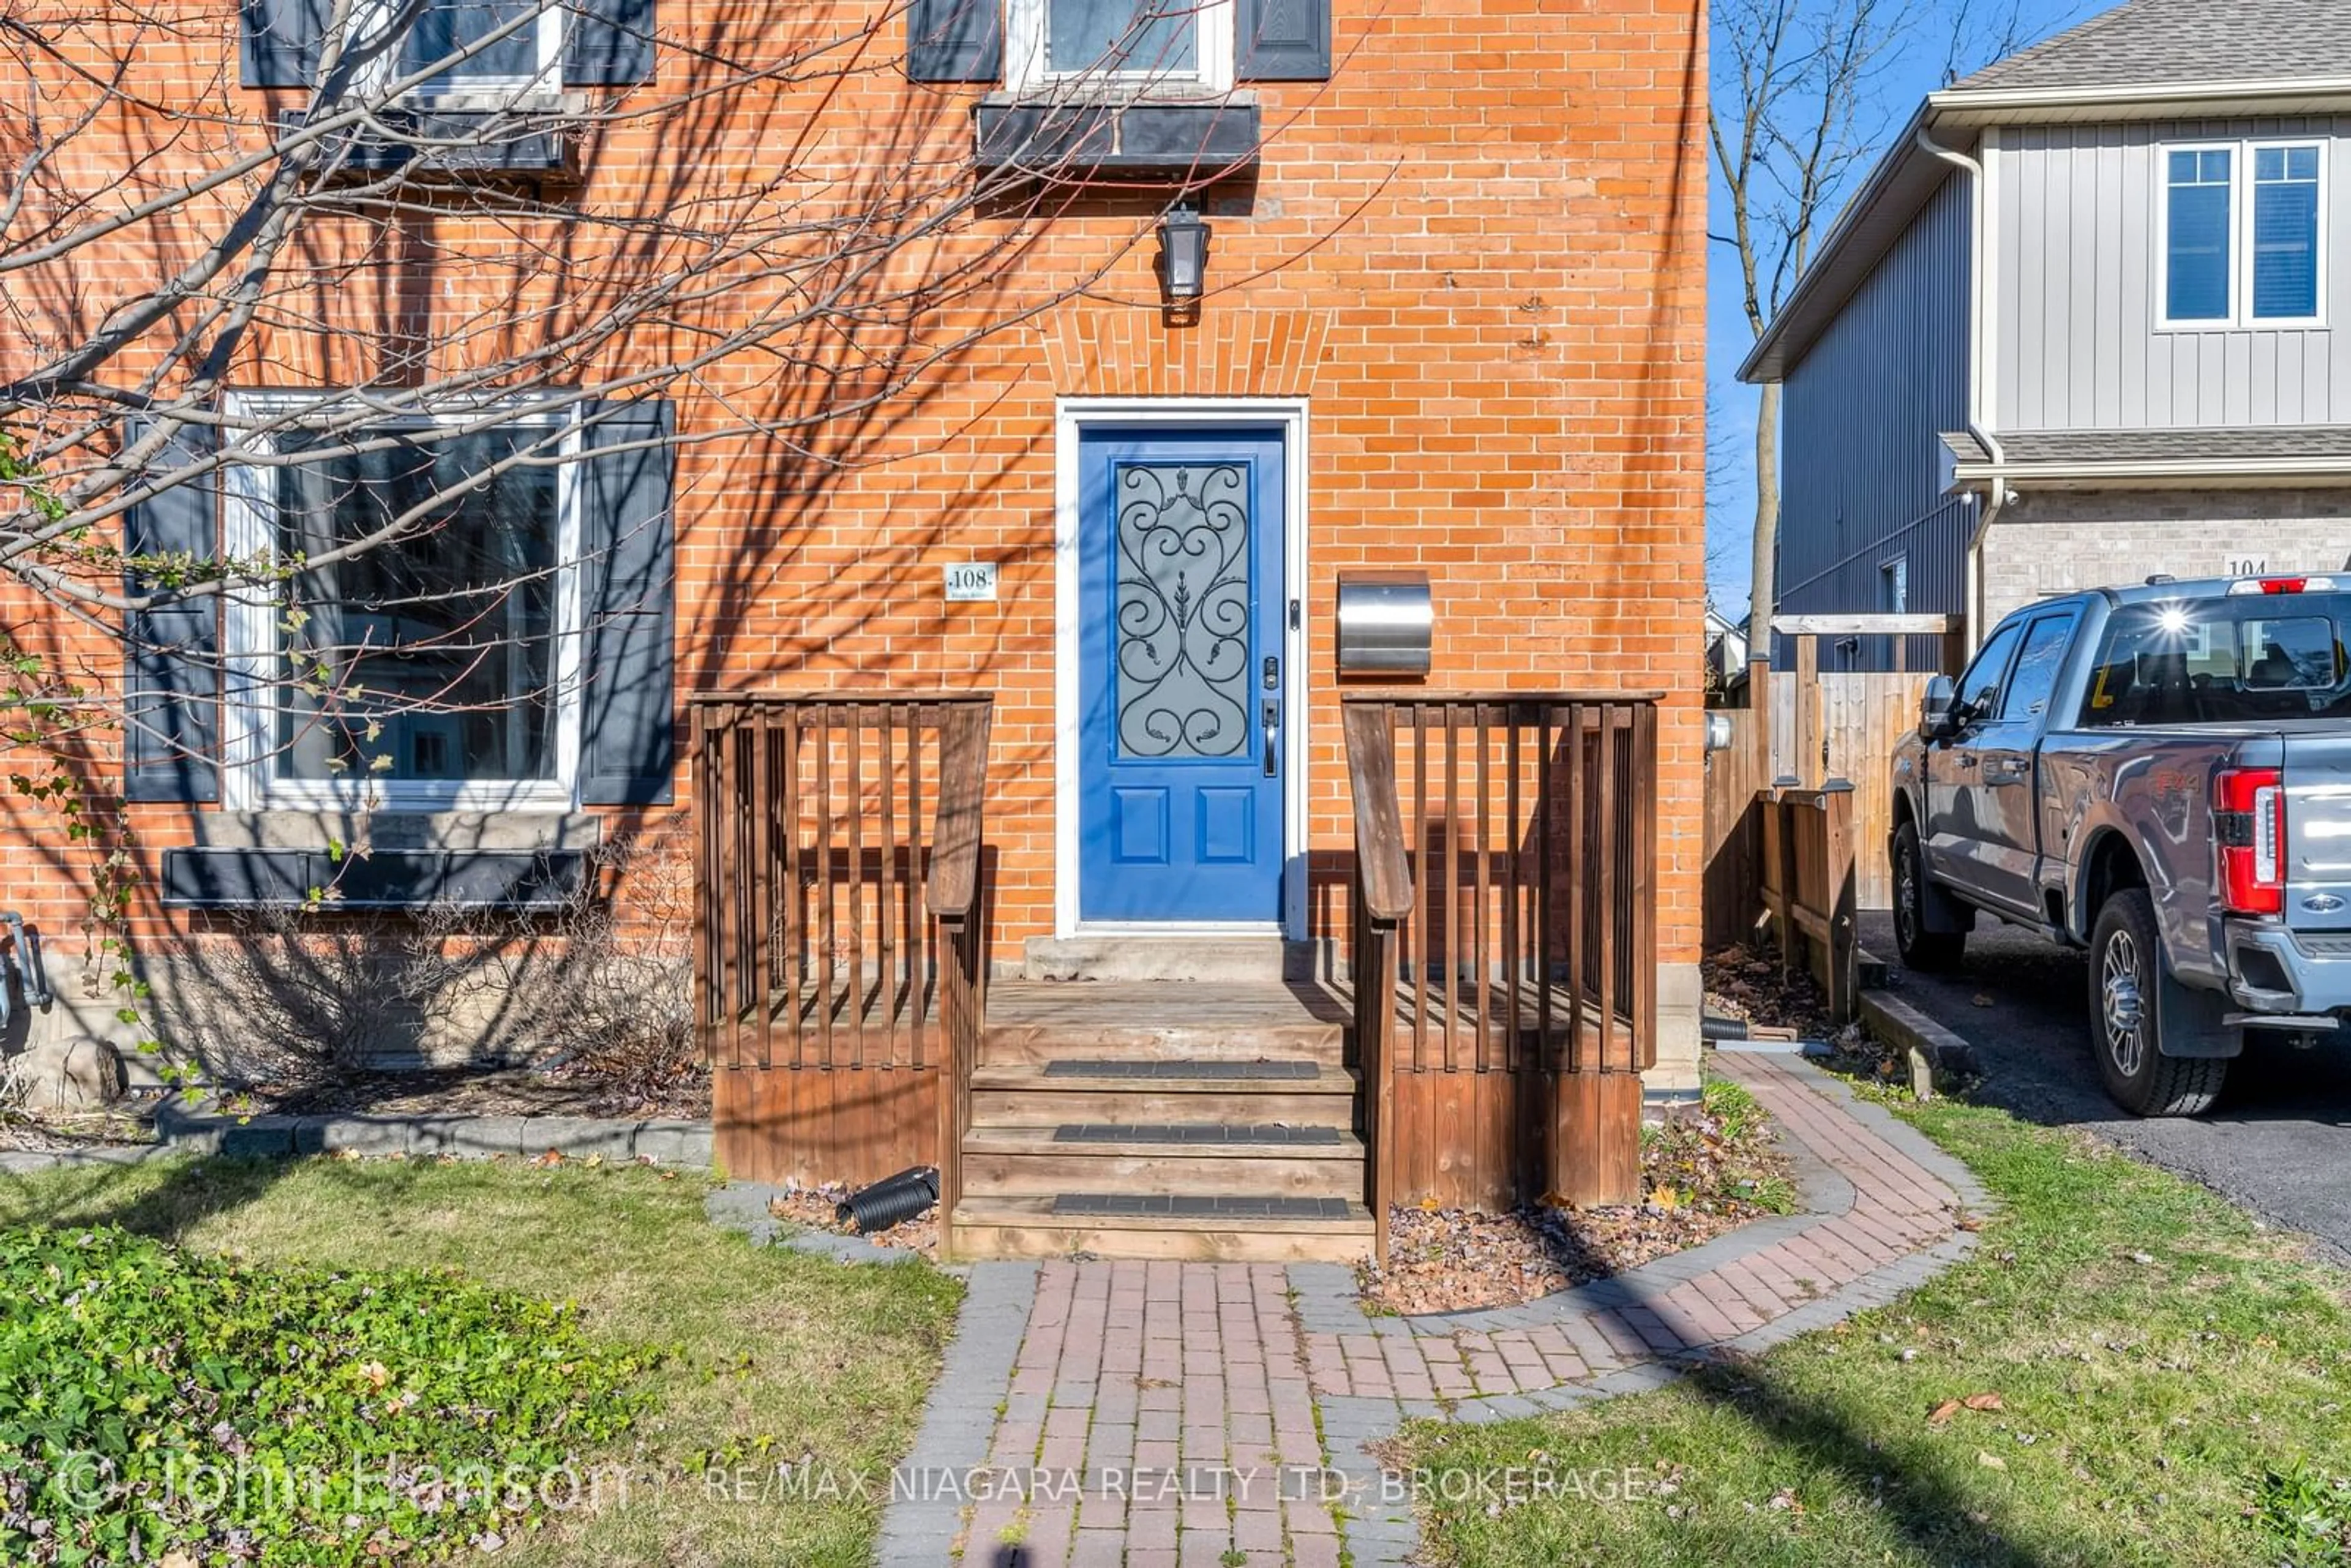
<point x="628" y="744"/>
<point x="954" y="40"/>
<point x="280" y="41"/>
<point x="1283" y="40"/>
<point x="171" y="677"/>
<point x="607" y="43"/>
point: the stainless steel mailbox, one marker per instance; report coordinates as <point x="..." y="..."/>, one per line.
<point x="1385" y="619"/>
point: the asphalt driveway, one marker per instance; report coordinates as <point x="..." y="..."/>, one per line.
<point x="2277" y="1142"/>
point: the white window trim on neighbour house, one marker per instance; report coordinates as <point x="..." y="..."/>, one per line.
<point x="2243" y="254"/>
<point x="1027" y="72"/>
<point x="251" y="630"/>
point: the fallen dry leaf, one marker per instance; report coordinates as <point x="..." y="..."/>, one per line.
<point x="1697" y="1183"/>
<point x="1983" y="1000"/>
<point x="1951" y="1407"/>
<point x="1991" y="1461"/>
<point x="376" y="1373"/>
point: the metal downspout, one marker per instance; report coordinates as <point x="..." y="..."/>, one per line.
<point x="1997" y="495"/>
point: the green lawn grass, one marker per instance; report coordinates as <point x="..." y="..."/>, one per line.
<point x="772" y="1357"/>
<point x="2172" y="1383"/>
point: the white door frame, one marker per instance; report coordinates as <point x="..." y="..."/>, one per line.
<point x="1073" y="416"/>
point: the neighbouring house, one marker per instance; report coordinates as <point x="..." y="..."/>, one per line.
<point x="1726" y="656"/>
<point x="969" y="623"/>
<point x="2089" y="319"/>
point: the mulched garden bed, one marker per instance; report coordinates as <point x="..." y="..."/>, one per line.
<point x="1706" y="1173"/>
<point x="812" y="1207"/>
<point x="130" y="1122"/>
<point x="488" y="1092"/>
<point x="1747" y="983"/>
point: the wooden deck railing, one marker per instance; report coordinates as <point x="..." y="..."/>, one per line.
<point x="840" y="962"/>
<point x="1504" y="944"/>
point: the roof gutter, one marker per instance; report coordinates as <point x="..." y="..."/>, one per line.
<point x="2184" y="99"/>
<point x="2243" y="471"/>
<point x="1979" y="108"/>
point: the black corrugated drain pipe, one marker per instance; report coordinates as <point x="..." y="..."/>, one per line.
<point x="890" y="1200"/>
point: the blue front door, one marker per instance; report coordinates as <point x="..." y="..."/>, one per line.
<point x="1180" y="574"/>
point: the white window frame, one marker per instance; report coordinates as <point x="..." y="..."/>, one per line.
<point x="1025" y="71"/>
<point x="2243" y="162"/>
<point x="470" y="90"/>
<point x="254" y="682"/>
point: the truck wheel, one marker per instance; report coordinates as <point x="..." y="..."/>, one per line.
<point x="2126" y="974"/>
<point x="1928" y="952"/>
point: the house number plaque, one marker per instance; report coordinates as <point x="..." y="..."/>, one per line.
<point x="972" y="581"/>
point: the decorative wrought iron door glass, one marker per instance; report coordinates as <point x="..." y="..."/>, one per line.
<point x="1184" y="633"/>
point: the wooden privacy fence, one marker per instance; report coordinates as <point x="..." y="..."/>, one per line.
<point x="1804" y="727"/>
<point x="1809" y="885"/>
<point x="1503" y="952"/>
<point x="840" y="959"/>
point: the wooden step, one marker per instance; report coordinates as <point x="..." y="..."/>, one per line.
<point x="1032" y="1160"/>
<point x="1165" y="1019"/>
<point x="1030" y="1094"/>
<point x="1037" y="1227"/>
<point x="1164" y="957"/>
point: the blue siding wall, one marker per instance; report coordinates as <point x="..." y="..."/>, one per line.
<point x="1859" y="452"/>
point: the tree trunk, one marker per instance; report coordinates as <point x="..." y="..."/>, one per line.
<point x="1767" y="523"/>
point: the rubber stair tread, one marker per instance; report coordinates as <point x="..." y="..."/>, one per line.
<point x="1045" y="1212"/>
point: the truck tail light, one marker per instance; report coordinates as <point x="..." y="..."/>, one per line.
<point x="2254" y="585"/>
<point x="2249" y="816"/>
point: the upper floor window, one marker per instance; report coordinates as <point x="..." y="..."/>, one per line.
<point x="2236" y="259"/>
<point x="2285" y="233"/>
<point x="458" y="54"/>
<point x="500" y="50"/>
<point x="1139" y="44"/>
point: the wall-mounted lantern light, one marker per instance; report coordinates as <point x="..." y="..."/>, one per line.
<point x="1183" y="256"/>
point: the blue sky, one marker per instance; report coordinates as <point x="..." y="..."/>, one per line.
<point x="1910" y="75"/>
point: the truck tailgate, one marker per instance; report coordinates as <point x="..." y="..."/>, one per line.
<point x="2318" y="829"/>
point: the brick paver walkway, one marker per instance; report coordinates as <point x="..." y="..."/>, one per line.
<point x="1167" y="1415"/>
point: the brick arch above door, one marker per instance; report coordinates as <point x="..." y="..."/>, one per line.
<point x="1093" y="350"/>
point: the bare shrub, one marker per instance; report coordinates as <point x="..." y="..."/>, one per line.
<point x="600" y="988"/>
<point x="604" y="988"/>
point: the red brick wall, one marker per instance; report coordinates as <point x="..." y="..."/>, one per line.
<point x="1476" y="252"/>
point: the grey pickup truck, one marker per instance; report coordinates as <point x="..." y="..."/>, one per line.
<point x="2162" y="775"/>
